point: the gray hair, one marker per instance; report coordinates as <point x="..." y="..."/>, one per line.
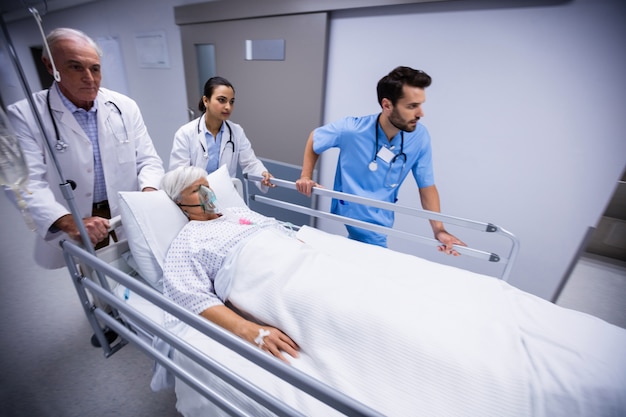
<point x="176" y="180"/>
<point x="67" y="33"/>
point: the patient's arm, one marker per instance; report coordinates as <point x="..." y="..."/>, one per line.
<point x="275" y="342"/>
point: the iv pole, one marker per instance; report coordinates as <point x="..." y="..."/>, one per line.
<point x="65" y="186"/>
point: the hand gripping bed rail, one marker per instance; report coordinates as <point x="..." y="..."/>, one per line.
<point x="76" y="255"/>
<point x="425" y="214"/>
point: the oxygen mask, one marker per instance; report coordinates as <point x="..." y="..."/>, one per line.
<point x="208" y="200"/>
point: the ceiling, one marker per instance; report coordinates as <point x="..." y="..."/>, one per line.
<point x="18" y="9"/>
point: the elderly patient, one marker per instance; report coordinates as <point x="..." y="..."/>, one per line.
<point x="365" y="319"/>
<point x="197" y="254"/>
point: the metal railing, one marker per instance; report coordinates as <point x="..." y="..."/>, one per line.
<point x="75" y="255"/>
<point x="508" y="260"/>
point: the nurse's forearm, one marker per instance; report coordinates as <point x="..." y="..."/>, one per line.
<point x="429" y="197"/>
<point x="309" y="160"/>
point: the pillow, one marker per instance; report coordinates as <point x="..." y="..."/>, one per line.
<point x="151" y="222"/>
<point x="224" y="187"/>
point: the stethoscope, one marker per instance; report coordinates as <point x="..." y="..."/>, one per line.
<point x="230" y="138"/>
<point x="61" y="145"/>
<point x="373" y="166"/>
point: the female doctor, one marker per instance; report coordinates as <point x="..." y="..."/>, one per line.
<point x="211" y="140"/>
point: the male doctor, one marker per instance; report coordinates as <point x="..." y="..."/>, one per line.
<point x="377" y="152"/>
<point x="99" y="140"/>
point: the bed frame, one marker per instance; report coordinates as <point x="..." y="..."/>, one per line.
<point x="135" y="327"/>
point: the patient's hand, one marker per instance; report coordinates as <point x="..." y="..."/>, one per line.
<point x="275" y="342"/>
<point x="270" y="339"/>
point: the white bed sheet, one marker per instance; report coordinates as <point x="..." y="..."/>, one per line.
<point x="411" y="337"/>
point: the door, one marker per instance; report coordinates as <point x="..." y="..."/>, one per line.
<point x="278" y="102"/>
<point x="278" y="97"/>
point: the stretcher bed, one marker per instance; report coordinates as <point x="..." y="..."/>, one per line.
<point x="380" y="332"/>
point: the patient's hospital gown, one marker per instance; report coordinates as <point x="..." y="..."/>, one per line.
<point x="198" y="252"/>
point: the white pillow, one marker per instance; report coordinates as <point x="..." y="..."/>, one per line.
<point x="224" y="188"/>
<point x="151" y="222"/>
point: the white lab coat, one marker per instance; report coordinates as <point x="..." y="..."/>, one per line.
<point x="130" y="161"/>
<point x="189" y="147"/>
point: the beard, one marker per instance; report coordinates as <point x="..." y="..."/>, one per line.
<point x="399" y="123"/>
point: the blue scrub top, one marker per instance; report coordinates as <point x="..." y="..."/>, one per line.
<point x="356" y="139"/>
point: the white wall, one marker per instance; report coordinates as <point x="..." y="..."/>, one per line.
<point x="526" y="112"/>
<point x="526" y="109"/>
<point x="160" y="93"/>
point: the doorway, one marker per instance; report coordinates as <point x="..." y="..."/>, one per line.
<point x="279" y="93"/>
<point x="278" y="101"/>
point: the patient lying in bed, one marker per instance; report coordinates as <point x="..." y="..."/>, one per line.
<point x="403" y="335"/>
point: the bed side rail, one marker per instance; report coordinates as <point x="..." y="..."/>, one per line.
<point x="75" y="255"/>
<point x="507" y="260"/>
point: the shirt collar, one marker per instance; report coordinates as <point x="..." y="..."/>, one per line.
<point x="205" y="130"/>
<point x="71" y="106"/>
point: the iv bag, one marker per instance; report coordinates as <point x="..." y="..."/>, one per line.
<point x="13" y="168"/>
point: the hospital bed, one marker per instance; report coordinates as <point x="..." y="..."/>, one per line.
<point x="477" y="346"/>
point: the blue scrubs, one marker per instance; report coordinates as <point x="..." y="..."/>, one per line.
<point x="213" y="148"/>
<point x="356" y="139"/>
